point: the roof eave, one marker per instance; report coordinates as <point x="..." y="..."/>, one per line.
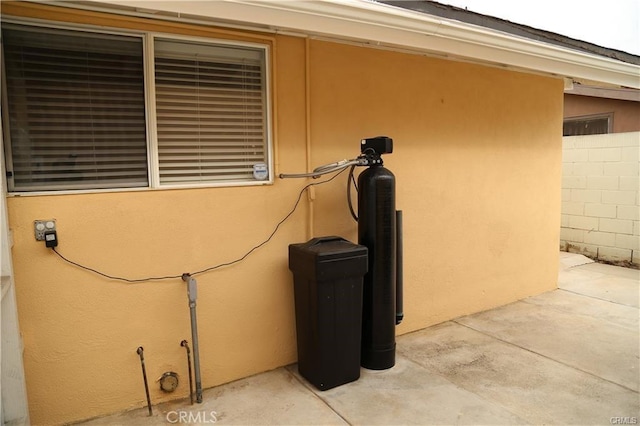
<point x="388" y="26"/>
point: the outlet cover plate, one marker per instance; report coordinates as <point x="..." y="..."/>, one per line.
<point x="42" y="226"/>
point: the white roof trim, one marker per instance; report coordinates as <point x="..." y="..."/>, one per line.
<point x="388" y="26"/>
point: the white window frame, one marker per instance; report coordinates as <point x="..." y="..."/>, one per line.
<point x="153" y="169"/>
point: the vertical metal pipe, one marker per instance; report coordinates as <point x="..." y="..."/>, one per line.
<point x="140" y="352"/>
<point x="307" y="134"/>
<point x="399" y="267"/>
<point x="192" y="293"/>
<point x="196" y="356"/>
<point x="185" y="344"/>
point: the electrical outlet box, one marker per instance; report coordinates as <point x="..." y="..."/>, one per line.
<point x="41" y="227"/>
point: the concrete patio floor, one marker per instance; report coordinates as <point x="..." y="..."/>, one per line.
<point x="569" y="356"/>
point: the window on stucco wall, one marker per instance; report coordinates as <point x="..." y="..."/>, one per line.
<point x="85" y="110"/>
<point x="588" y="125"/>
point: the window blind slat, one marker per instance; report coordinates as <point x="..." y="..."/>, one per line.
<point x="107" y="175"/>
<point x="222" y="143"/>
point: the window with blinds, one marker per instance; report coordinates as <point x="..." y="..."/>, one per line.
<point x="210" y="108"/>
<point x="78" y="110"/>
<point x="591" y="125"/>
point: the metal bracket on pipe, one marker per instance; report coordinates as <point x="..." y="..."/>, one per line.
<point x="192" y="289"/>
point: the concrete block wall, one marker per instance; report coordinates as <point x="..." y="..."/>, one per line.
<point x="601" y="196"/>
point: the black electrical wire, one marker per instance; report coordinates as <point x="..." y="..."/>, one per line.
<point x="351" y="180"/>
<point x="295" y="206"/>
<point x="202" y="271"/>
<point x="112" y="277"/>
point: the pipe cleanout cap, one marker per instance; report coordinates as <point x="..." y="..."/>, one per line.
<point x="168" y="381"/>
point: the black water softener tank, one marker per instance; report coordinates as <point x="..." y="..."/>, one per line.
<point x="377" y="232"/>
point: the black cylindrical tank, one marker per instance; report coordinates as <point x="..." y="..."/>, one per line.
<point x="377" y="231"/>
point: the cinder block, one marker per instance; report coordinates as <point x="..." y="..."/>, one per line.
<point x="600" y="210"/>
<point x="588" y="169"/>
<point x="614" y="254"/>
<point x="602" y="182"/>
<point x="593" y="141"/>
<point x="582" y="222"/>
<point x="574" y="208"/>
<point x="624" y="168"/>
<point x="564" y="221"/>
<point x="627" y="139"/>
<point x="600" y="238"/>
<point x="635" y="257"/>
<point x="631" y="242"/>
<point x="626" y="198"/>
<point x="571" y="182"/>
<point x="575" y="155"/>
<point x="588" y="250"/>
<point x="629" y="212"/>
<point x="572" y="235"/>
<point x="629" y="183"/>
<point x="631" y="153"/>
<point x="636" y="227"/>
<point x="567" y="169"/>
<point x="605" y="154"/>
<point x="617" y="226"/>
<point x="566" y="194"/>
<point x="586" y="195"/>
<point x="604" y="141"/>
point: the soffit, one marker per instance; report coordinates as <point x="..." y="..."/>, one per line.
<point x="381" y="25"/>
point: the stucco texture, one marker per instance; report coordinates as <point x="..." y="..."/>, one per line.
<point x="477" y="158"/>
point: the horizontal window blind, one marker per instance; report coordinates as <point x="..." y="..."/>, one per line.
<point x="76" y="109"/>
<point x="211" y="111"/>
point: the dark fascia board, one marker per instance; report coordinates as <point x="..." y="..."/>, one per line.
<point x="463" y="15"/>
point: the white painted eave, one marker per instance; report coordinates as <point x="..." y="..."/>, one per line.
<point x="387" y="26"/>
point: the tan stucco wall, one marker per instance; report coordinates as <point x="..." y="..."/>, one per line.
<point x="477" y="160"/>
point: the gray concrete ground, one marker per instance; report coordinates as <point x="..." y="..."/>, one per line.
<point x="569" y="356"/>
